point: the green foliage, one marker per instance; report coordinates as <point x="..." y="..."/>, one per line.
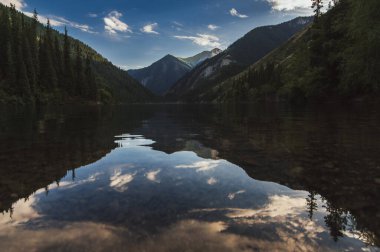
<point x="337" y="58"/>
<point x="39" y="65"/>
<point x="317" y="5"/>
<point x="198" y="84"/>
<point x="253" y="84"/>
<point x="362" y="55"/>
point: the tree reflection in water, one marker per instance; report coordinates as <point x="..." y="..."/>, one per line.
<point x="332" y="154"/>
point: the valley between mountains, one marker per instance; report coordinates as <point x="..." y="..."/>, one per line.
<point x="332" y="56"/>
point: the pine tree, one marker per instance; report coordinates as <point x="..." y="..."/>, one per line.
<point x="90" y="81"/>
<point x="10" y="76"/>
<point x="11" y="47"/>
<point x="317" y="5"/>
<point x="67" y="65"/>
<point x="47" y="78"/>
<point x="15" y="26"/>
<point x="58" y="64"/>
<point x="312" y="205"/>
<point x="4" y="42"/>
<point x="36" y="64"/>
<point x="79" y="73"/>
<point x="27" y="60"/>
<point x="22" y="84"/>
<point x="33" y="45"/>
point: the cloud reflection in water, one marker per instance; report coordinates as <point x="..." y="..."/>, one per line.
<point x="181" y="212"/>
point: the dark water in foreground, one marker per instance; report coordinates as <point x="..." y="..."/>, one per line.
<point x="190" y="178"/>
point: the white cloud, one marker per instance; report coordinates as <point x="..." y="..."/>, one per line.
<point x="119" y="181"/>
<point x="60" y="21"/>
<point x="291" y="5"/>
<point x="232" y="196"/>
<point x="113" y="24"/>
<point x="92" y="15"/>
<point x="177" y="23"/>
<point x="82" y="27"/>
<point x="152" y="175"/>
<point x="43" y="19"/>
<point x="177" y="26"/>
<point x="19" y="4"/>
<point x="54" y="20"/>
<point x="201" y="165"/>
<point x="212" y="27"/>
<point x="212" y="181"/>
<point x="132" y="141"/>
<point x="23" y="211"/>
<point x="235" y="13"/>
<point x="202" y="40"/>
<point x="149" y="28"/>
<point x="278" y="206"/>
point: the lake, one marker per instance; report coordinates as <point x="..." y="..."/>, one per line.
<point x="190" y="178"/>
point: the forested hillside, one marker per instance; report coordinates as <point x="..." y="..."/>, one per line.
<point x="236" y="58"/>
<point x="337" y="58"/>
<point x="39" y="65"/>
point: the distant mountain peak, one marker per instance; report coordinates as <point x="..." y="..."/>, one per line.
<point x="162" y="74"/>
<point x="195" y="60"/>
<point x="216" y="51"/>
<point x="244" y="52"/>
<point x="168" y="56"/>
<point x="300" y="21"/>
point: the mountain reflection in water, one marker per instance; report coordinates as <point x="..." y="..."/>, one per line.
<point x="198" y="178"/>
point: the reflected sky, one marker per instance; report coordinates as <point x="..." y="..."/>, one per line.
<point x="142" y="199"/>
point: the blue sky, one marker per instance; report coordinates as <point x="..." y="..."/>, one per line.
<point x="135" y="33"/>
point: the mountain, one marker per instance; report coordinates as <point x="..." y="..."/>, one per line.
<point x="162" y="74"/>
<point x="335" y="59"/>
<point x="244" y="52"/>
<point x="40" y="65"/>
<point x="200" y="57"/>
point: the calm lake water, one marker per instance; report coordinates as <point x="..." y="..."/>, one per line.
<point x="190" y="178"/>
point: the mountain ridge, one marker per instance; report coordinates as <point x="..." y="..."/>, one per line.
<point x="245" y="51"/>
<point x="162" y="74"/>
<point x="335" y="59"/>
<point x="193" y="61"/>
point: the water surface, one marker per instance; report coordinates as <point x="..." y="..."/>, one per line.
<point x="190" y="178"/>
